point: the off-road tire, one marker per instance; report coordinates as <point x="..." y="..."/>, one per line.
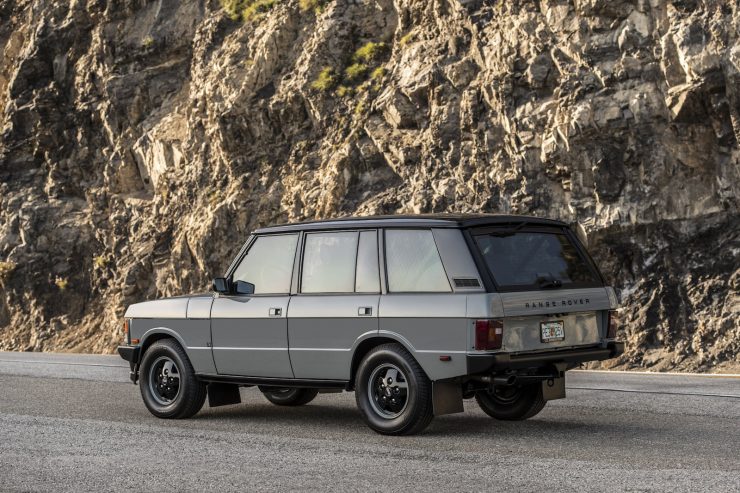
<point x="527" y="402"/>
<point x="288" y="396"/>
<point x="418" y="410"/>
<point x="192" y="392"/>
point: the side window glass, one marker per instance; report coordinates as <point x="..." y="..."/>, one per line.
<point x="413" y="262"/>
<point x="269" y="264"/>
<point x="329" y="262"/>
<point x="368" y="273"/>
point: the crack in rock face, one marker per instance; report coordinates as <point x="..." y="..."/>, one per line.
<point x="142" y="141"/>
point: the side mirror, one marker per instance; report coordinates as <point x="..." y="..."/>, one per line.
<point x="221" y="285"/>
<point x="244" y="287"/>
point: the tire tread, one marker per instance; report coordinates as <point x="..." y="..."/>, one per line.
<point x="423" y="414"/>
<point x="302" y="397"/>
<point x="528" y="410"/>
<point x="195" y="390"/>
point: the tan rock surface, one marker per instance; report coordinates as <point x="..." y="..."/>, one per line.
<point x="140" y="142"/>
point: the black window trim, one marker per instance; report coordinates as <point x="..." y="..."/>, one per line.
<point x="245" y="251"/>
<point x="299" y="280"/>
<point x="584" y="253"/>
<point x="533" y="228"/>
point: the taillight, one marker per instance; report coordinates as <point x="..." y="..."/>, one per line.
<point x="489" y="334"/>
<point x="126" y="334"/>
<point x="613" y="325"/>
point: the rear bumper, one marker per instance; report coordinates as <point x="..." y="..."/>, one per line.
<point x="131" y="354"/>
<point x="487" y="363"/>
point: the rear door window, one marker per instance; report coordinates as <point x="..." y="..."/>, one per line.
<point x="538" y="259"/>
<point x="368" y="272"/>
<point x="329" y="262"/>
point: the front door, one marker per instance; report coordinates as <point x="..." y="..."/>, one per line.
<point x="250" y="332"/>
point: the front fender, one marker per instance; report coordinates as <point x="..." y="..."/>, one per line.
<point x="150" y="335"/>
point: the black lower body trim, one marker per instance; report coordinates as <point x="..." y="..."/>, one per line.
<point x="487" y="363"/>
<point x="131" y="354"/>
<point x="274" y="382"/>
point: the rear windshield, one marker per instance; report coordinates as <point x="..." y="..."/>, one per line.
<point x="535" y="260"/>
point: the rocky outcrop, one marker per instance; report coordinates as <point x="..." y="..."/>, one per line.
<point x="142" y="140"/>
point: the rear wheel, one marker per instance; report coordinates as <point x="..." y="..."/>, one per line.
<point x="168" y="384"/>
<point x="513" y="403"/>
<point x="393" y="392"/>
<point x="288" y="396"/>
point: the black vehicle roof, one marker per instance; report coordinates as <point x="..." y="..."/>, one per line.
<point x="411" y="220"/>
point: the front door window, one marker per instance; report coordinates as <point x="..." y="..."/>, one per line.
<point x="269" y="264"/>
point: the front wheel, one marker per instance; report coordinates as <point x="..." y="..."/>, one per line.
<point x="168" y="384"/>
<point x="393" y="392"/>
<point x="288" y="396"/>
<point x="511" y="403"/>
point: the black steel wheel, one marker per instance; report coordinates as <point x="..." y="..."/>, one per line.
<point x="392" y="392"/>
<point x="511" y="403"/>
<point x="164" y="380"/>
<point x="288" y="396"/>
<point x="168" y="384"/>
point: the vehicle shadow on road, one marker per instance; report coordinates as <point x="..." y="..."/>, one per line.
<point x="541" y="427"/>
<point x="283" y="414"/>
<point x="332" y="418"/>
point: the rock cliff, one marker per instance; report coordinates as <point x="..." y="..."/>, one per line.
<point x="142" y="140"/>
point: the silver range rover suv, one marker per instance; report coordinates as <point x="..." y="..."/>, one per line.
<point x="412" y="313"/>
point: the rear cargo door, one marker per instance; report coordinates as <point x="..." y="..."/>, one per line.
<point x="552" y="294"/>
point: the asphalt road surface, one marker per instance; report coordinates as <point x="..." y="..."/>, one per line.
<point x="75" y="423"/>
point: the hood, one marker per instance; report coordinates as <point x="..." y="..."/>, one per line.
<point x="175" y="307"/>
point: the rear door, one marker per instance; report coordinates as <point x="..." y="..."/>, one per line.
<point x="337" y="302"/>
<point x="250" y="332"/>
<point x="552" y="294"/>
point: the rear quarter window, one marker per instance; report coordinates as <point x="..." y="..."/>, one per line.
<point x="413" y="262"/>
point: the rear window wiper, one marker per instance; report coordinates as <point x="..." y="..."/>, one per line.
<point x="548" y="282"/>
<point x="508" y="232"/>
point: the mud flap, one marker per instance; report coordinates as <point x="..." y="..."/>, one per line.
<point x="554" y="388"/>
<point x="447" y="397"/>
<point x="223" y="394"/>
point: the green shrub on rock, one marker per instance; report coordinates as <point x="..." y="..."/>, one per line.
<point x="317" y="6"/>
<point x="355" y="72"/>
<point x="326" y="80"/>
<point x="258" y="8"/>
<point x="247" y="10"/>
<point x="370" y="52"/>
<point x="234" y="8"/>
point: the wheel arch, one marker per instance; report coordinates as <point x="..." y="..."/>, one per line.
<point x="363" y="347"/>
<point x="157" y="334"/>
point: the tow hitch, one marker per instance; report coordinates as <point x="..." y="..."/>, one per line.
<point x="552" y="380"/>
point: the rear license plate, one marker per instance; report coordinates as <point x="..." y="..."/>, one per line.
<point x="552" y="331"/>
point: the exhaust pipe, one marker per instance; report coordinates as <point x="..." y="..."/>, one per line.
<point x="504" y="380"/>
<point x="500" y="380"/>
